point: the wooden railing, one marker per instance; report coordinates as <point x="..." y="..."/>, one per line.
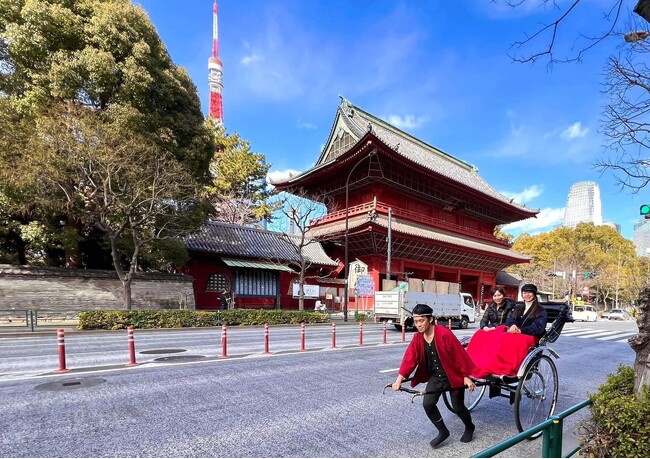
<point x="409" y="215"/>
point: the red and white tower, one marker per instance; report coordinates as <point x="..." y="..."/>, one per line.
<point x="216" y="72"/>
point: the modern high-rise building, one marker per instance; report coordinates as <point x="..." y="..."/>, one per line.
<point x="642" y="237"/>
<point x="613" y="225"/>
<point x="583" y="205"/>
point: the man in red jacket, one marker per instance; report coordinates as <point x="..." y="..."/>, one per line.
<point x="440" y="360"/>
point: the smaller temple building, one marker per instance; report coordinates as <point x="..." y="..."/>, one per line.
<point x="243" y="267"/>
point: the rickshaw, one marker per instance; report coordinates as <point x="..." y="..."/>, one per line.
<point x="532" y="390"/>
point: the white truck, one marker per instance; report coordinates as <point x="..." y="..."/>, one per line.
<point x="395" y="307"/>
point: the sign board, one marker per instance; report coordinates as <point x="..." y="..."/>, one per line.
<point x="355" y="269"/>
<point x="364" y="286"/>
<point x="311" y="291"/>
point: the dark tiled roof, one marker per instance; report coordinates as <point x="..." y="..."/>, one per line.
<point x="240" y="241"/>
<point x="506" y="278"/>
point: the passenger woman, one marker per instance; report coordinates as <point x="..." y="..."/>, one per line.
<point x="530" y="319"/>
<point x="498" y="310"/>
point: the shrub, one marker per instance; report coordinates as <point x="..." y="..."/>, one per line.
<point x="167" y="318"/>
<point x="618" y="426"/>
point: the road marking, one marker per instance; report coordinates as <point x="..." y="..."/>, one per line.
<point x="617" y="336"/>
<point x="598" y="333"/>
<point x="389" y="371"/>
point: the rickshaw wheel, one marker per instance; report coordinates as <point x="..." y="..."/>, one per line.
<point x="471" y="398"/>
<point x="536" y="394"/>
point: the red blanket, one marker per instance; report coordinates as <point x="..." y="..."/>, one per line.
<point x="497" y="352"/>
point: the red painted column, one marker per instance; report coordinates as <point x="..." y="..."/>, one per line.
<point x="61" y="345"/>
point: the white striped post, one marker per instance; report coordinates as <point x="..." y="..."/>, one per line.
<point x="129" y="333"/>
<point x="266" y="338"/>
<point x="333" y="335"/>
<point x="403" y="332"/>
<point x="360" y="334"/>
<point x="224" y="341"/>
<point x="384" y="332"/>
<point x="302" y="337"/>
<point x="60" y="337"/>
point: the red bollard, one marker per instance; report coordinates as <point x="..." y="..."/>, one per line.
<point x="403" y="333"/>
<point x="224" y="341"/>
<point x="333" y="335"/>
<point x="384" y="332"/>
<point x="450" y="323"/>
<point x="61" y="344"/>
<point x="266" y="338"/>
<point x="129" y="334"/>
<point x="302" y="337"/>
<point x="360" y="334"/>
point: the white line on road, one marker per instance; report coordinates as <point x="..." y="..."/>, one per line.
<point x="389" y="371"/>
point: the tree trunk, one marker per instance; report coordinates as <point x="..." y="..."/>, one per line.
<point x="126" y="284"/>
<point x="641" y="344"/>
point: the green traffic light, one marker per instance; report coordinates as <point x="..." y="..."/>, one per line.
<point x="645" y="209"/>
<point x="586" y="274"/>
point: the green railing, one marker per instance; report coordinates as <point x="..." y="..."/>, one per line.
<point x="552" y="428"/>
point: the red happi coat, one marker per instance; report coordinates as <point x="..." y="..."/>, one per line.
<point x="454" y="359"/>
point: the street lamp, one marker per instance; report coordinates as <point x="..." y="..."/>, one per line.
<point x="347" y="212"/>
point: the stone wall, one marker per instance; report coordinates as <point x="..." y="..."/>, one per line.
<point x="59" y="289"/>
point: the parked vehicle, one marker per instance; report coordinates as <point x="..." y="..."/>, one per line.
<point x="618" y="314"/>
<point x="585" y="313"/>
<point x="395" y="307"/>
<point x="605" y="315"/>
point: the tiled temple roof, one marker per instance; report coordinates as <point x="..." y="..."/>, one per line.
<point x="240" y="241"/>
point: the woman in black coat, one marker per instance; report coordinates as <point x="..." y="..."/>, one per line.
<point x="498" y="310"/>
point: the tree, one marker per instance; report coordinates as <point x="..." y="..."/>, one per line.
<point x="119" y="182"/>
<point x="104" y="55"/>
<point x="238" y="190"/>
<point x="626" y="119"/>
<point x="298" y="209"/>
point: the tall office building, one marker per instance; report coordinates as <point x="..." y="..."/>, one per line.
<point x="583" y="205"/>
<point x="641" y="237"/>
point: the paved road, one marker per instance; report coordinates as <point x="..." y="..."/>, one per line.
<point x="300" y="404"/>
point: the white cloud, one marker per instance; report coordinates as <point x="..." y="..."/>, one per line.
<point x="247" y="60"/>
<point x="407" y="121"/>
<point x="525" y="196"/>
<point x="545" y="220"/>
<point x="575" y="131"/>
<point x="305" y="125"/>
<point x="280" y="176"/>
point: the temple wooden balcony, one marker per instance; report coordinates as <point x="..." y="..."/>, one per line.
<point x="405" y="214"/>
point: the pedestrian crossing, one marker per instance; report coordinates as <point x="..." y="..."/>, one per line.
<point x="617" y="336"/>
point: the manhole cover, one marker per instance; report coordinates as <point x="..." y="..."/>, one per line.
<point x="163" y="351"/>
<point x="68" y="384"/>
<point x="179" y="358"/>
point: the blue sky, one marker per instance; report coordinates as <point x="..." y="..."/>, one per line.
<point x="440" y="70"/>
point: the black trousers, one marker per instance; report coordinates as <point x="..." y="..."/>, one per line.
<point x="457" y="402"/>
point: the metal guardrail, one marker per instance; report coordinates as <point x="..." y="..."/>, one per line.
<point x="552" y="440"/>
<point x="30" y="318"/>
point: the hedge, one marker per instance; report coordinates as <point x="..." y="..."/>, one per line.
<point x="178" y="318"/>
<point x="619" y="425"/>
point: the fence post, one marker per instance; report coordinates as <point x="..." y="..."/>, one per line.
<point x="224" y="341"/>
<point x="302" y="337"/>
<point x="266" y="338"/>
<point x="450" y="323"/>
<point x="360" y="334"/>
<point x="404" y="332"/>
<point x="129" y="334"/>
<point x="384" y="332"/>
<point x="552" y="443"/>
<point x="61" y="345"/>
<point x="333" y="335"/>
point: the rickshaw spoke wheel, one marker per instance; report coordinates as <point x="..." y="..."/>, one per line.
<point x="471" y="399"/>
<point x="536" y="394"/>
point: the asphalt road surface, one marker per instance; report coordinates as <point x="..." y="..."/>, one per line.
<point x="319" y="403"/>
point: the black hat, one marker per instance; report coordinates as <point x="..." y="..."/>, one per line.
<point x="529" y="288"/>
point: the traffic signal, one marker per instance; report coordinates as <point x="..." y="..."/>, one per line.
<point x="587" y="274"/>
<point x="645" y="211"/>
